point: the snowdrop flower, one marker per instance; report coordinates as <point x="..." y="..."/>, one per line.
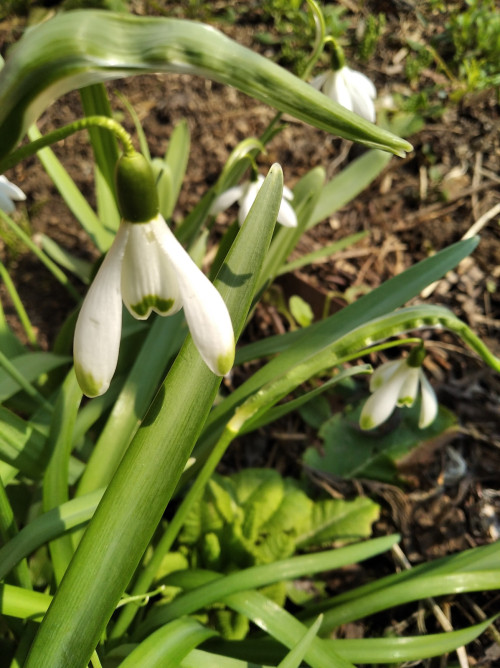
<point x="148" y="269"/>
<point x="396" y="384"/>
<point x="245" y="195"/>
<point x="9" y="193"/>
<point x="350" y="88"/>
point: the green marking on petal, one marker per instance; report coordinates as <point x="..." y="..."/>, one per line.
<point x="152" y="302"/>
<point x="225" y="362"/>
<point x="88" y="384"/>
<point x="366" y="422"/>
<point x="406" y="401"/>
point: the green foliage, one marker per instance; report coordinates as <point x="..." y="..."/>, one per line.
<point x="258" y="517"/>
<point x="373" y="31"/>
<point x="352" y="453"/>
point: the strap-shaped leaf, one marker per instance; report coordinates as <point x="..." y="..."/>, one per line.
<point x="79" y="48"/>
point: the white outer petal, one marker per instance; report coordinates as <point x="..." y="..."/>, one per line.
<point x="226" y="199"/>
<point x="248" y="198"/>
<point x="5" y="203"/>
<point x="206" y="313"/>
<point x="98" y="328"/>
<point x="362" y="92"/>
<point x="147" y="273"/>
<point x="429" y="406"/>
<point x="319" y="81"/>
<point x="337" y="89"/>
<point x="383" y="373"/>
<point x="286" y="214"/>
<point x="11" y="190"/>
<point x="381" y="403"/>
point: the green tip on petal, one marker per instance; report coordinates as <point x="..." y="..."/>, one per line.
<point x="88" y="384"/>
<point x="406" y="401"/>
<point x="366" y="423"/>
<point x="225" y="362"/>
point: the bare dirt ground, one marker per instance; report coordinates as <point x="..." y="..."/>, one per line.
<point x="452" y="500"/>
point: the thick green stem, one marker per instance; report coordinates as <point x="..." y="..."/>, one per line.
<point x="146" y="578"/>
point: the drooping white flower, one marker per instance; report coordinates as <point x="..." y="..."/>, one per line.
<point x="9" y="193"/>
<point x="352" y="89"/>
<point x="397" y="384"/>
<point x="245" y="195"/>
<point x="149" y="270"/>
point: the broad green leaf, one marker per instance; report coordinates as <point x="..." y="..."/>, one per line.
<point x="199" y="659"/>
<point x="79" y="48"/>
<point x="76" y="202"/>
<point x="80" y="268"/>
<point x="390" y="295"/>
<point x="294" y="658"/>
<point x="339" y="520"/>
<point x="324" y="252"/>
<point x="281" y="625"/>
<point x="55" y="482"/>
<point x="351" y="453"/>
<point x="95" y="101"/>
<point x="301" y="311"/>
<point x="47" y="527"/>
<point x="207" y="587"/>
<point x="150" y="469"/>
<point x="21" y="445"/>
<point x="31" y="366"/>
<point x="176" y="158"/>
<point x="350" y="182"/>
<point x="166" y="647"/>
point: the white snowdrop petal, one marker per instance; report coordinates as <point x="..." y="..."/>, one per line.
<point x="286" y="214"/>
<point x="361" y="82"/>
<point x="287" y="194"/>
<point x="248" y="199"/>
<point x="206" y="313"/>
<point x="319" y="81"/>
<point x="382" y="374"/>
<point x="381" y="403"/>
<point x="226" y="199"/>
<point x="409" y="388"/>
<point x="429" y="405"/>
<point x="338" y="90"/>
<point x="11" y="190"/>
<point x="148" y="281"/>
<point x="98" y="328"/>
<point x="6" y="203"/>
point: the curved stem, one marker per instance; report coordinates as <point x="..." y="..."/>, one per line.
<point x="319" y="42"/>
<point x="103" y="122"/>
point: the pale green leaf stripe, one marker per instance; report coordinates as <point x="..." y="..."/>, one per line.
<point x="150" y="469"/>
<point x="79" y="48"/>
<point x="257" y="576"/>
<point x="46" y="527"/>
<point x="166" y="647"/>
